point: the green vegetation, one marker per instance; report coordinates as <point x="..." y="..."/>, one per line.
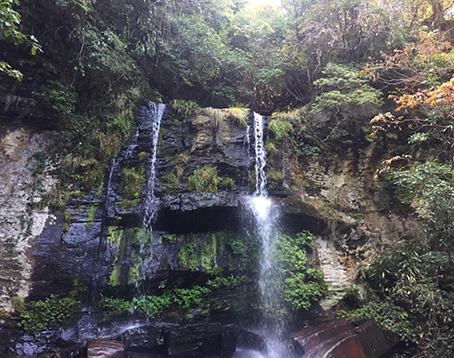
<point x="185" y="109"/>
<point x="302" y="286"/>
<point x="216" y="115"/>
<point x="410" y="293"/>
<point x="91" y="213"/>
<point x="53" y="310"/>
<point x="132" y="181"/>
<point x="10" y="23"/>
<point x="187" y="256"/>
<point x="208" y="253"/>
<point x="172" y="179"/>
<point x="230" y="281"/>
<point x="323" y="67"/>
<point x="280" y="128"/>
<point x="428" y="187"/>
<point x="115" y="276"/>
<point x="344" y="90"/>
<point x="56" y="309"/>
<point x="207" y="179"/>
<point x="153" y="306"/>
<point x="238" y="116"/>
<point x="170" y="238"/>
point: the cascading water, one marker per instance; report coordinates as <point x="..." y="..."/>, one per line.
<point x="154" y="112"/>
<point x="266" y="215"/>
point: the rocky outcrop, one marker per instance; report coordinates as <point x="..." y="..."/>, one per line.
<point x="99" y="241"/>
<point x="102" y="348"/>
<point x="342" y="338"/>
<point x="27" y="178"/>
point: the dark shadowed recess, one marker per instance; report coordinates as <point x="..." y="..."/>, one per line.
<point x="229" y="218"/>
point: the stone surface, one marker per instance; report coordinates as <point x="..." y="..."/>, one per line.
<point x="23" y="213"/>
<point x="105" y="248"/>
<point x="345" y="339"/>
<point x="100" y="348"/>
<point x="200" y="340"/>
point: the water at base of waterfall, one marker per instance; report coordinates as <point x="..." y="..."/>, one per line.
<point x="275" y="348"/>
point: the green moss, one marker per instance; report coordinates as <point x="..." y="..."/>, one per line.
<point x="91" y="213"/>
<point x="133" y="275"/>
<point x="204" y="179"/>
<point x="227" y="183"/>
<point x="132" y="181"/>
<point x="115" y="276"/>
<point x="65" y="227"/>
<point x="187" y="256"/>
<point x="18" y="303"/>
<point x="143" y="155"/>
<point x="170" y="181"/>
<point x="207" y="179"/>
<point x="114" y="236"/>
<point x="170" y="238"/>
<point x="138" y="237"/>
<point x="208" y="254"/>
<point x="275" y="177"/>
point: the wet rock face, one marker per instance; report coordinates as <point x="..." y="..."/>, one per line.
<point x="345" y="338"/>
<point x="184" y="146"/>
<point x="100" y="348"/>
<point x="26" y="177"/>
<point x="200" y="340"/>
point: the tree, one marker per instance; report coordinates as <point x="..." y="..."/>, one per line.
<point x="10" y="21"/>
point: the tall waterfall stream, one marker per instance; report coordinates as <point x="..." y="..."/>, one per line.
<point x="154" y="113"/>
<point x="266" y="217"/>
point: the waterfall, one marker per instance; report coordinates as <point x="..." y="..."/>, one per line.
<point x="260" y="156"/>
<point x="153" y="113"/>
<point x="266" y="217"/>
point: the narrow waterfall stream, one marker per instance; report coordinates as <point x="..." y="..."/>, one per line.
<point x="266" y="217"/>
<point x="154" y="113"/>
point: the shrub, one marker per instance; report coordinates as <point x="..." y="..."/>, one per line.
<point x="301" y="285"/>
<point x="280" y="128"/>
<point x="185" y="109"/>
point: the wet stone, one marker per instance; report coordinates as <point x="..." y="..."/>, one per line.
<point x="100" y="348"/>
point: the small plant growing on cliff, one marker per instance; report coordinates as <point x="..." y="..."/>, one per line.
<point x="204" y="179"/>
<point x="217" y="115"/>
<point x="38" y="315"/>
<point x="207" y="179"/>
<point x="172" y="179"/>
<point x="185" y="109"/>
<point x="238" y="116"/>
<point x="170" y="238"/>
<point x="132" y="181"/>
<point x="280" y="128"/>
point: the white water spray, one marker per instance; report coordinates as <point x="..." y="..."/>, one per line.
<point x="154" y="113"/>
<point x="266" y="215"/>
